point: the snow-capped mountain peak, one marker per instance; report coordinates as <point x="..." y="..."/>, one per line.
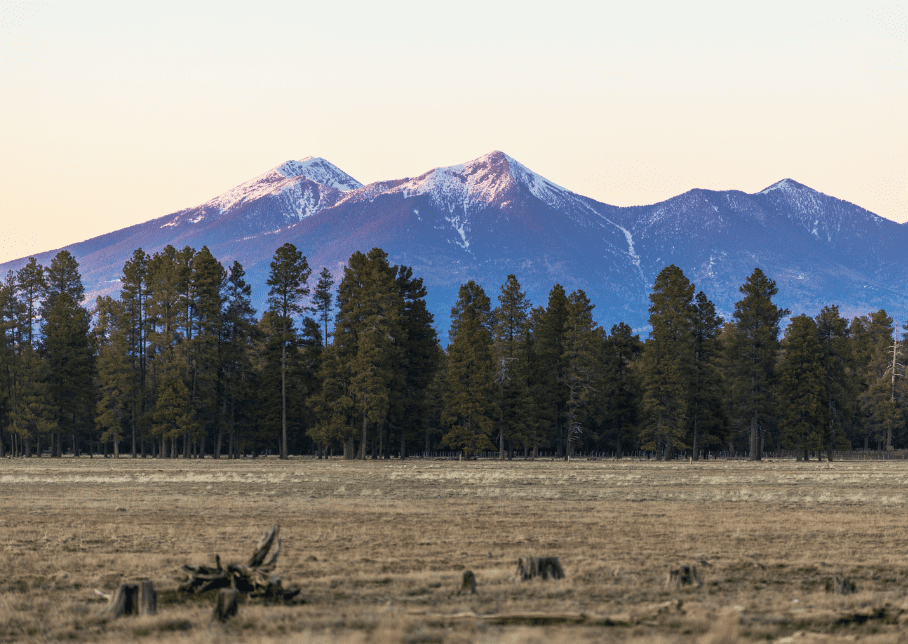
<point x="785" y="185"/>
<point x="321" y="171"/>
<point x="487" y="180"/>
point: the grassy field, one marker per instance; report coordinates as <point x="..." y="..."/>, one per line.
<point x="379" y="549"/>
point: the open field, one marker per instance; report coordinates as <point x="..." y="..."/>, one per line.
<point x="379" y="548"/>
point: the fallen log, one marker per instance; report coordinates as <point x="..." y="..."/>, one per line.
<point x="255" y="578"/>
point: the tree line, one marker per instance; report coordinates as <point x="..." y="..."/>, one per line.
<point x="180" y="364"/>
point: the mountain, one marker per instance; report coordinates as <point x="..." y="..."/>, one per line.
<point x="493" y="216"/>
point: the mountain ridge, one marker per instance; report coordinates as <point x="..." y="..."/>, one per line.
<point x="492" y="216"/>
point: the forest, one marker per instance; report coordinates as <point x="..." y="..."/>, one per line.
<point x="180" y="364"/>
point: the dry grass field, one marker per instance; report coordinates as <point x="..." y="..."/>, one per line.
<point x="379" y="549"/>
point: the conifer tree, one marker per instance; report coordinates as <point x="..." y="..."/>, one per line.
<point x="30" y="286"/>
<point x="417" y="359"/>
<point x="621" y="385"/>
<point x="754" y="344"/>
<point x="369" y="285"/>
<point x="238" y="335"/>
<point x="288" y="281"/>
<point x="706" y="406"/>
<point x="170" y="319"/>
<point x="668" y="360"/>
<point x="802" y="389"/>
<point x="134" y="292"/>
<point x="582" y="360"/>
<point x="871" y="343"/>
<point x="114" y="374"/>
<point x="469" y="399"/>
<point x="322" y="297"/>
<point x="841" y="389"/>
<point x="550" y="325"/>
<point x="511" y="319"/>
<point x="67" y="350"/>
<point x="206" y="282"/>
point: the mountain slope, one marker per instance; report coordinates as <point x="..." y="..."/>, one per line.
<point x="493" y="216"/>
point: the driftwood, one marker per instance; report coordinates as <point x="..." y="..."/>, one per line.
<point x="468" y="586"/>
<point x="841" y="585"/>
<point x="132" y="599"/>
<point x="683" y="576"/>
<point x="543" y="567"/>
<point x="226" y="606"/>
<point x="254" y="578"/>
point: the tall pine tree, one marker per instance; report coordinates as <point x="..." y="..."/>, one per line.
<point x="469" y="407"/>
<point x="753" y="346"/>
<point x="288" y="281"/>
<point x="668" y="363"/>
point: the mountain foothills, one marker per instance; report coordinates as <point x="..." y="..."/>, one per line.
<point x="493" y="217"/>
<point x="260" y="321"/>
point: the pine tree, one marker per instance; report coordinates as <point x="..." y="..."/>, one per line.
<point x="238" y="336"/>
<point x="668" y="363"/>
<point x="469" y="399"/>
<point x="206" y="282"/>
<point x="621" y="385"/>
<point x="370" y="290"/>
<point x="802" y="388"/>
<point x="114" y="373"/>
<point x="707" y="416"/>
<point x="67" y="350"/>
<point x="322" y="296"/>
<point x="7" y="356"/>
<point x="31" y="286"/>
<point x="417" y="360"/>
<point x="582" y="360"/>
<point x="550" y="325"/>
<point x="134" y="291"/>
<point x="171" y="323"/>
<point x="841" y="388"/>
<point x="871" y="342"/>
<point x="754" y="344"/>
<point x="511" y="319"/>
<point x="288" y="281"/>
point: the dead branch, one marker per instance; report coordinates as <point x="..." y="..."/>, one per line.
<point x="254" y="578"/>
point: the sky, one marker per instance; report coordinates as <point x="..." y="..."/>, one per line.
<point x="114" y="113"/>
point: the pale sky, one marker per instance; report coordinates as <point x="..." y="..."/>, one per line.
<point x="114" y="113"/>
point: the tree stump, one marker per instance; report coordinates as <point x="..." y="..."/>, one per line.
<point x="226" y="605"/>
<point x="468" y="585"/>
<point x="148" y="598"/>
<point x="542" y="567"/>
<point x="841" y="585"/>
<point x="132" y="599"/>
<point x="683" y="576"/>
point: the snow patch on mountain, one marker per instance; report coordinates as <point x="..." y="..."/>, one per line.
<point x="784" y="184"/>
<point x="321" y="171"/>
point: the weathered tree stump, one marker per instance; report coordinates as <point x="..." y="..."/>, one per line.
<point x="841" y="585"/>
<point x="543" y="567"/>
<point x="148" y="598"/>
<point x="226" y="605"/>
<point x="468" y="585"/>
<point x="132" y="599"/>
<point x="254" y="578"/>
<point x="683" y="576"/>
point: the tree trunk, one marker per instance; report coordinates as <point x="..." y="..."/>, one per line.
<point x="363" y="443"/>
<point x="284" y="392"/>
